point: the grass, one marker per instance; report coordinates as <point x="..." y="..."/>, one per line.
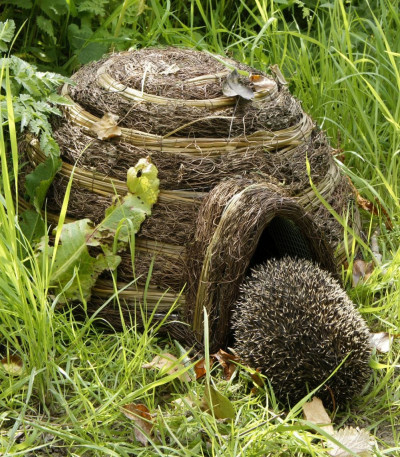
<point x="343" y="63"/>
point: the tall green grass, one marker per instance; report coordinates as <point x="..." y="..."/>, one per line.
<point x="343" y="63"/>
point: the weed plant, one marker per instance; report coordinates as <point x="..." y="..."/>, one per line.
<point x="342" y="60"/>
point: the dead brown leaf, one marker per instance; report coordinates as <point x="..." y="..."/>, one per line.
<point x="234" y="87"/>
<point x="170" y="70"/>
<point x="361" y="271"/>
<point x="382" y="341"/>
<point x="257" y="379"/>
<point x="140" y="414"/>
<point x="184" y="402"/>
<point x="357" y="440"/>
<point x="226" y="361"/>
<point x="278" y="74"/>
<point x="13" y="365"/>
<point x="168" y="363"/>
<point x="315" y="412"/>
<point x="200" y="368"/>
<point x="261" y="82"/>
<point x="374" y="208"/>
<point x="106" y="127"/>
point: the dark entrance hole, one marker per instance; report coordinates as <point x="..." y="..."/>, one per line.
<point x="282" y="237"/>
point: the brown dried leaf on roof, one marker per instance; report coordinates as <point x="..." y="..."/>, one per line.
<point x="106" y="127"/>
<point x="261" y="82"/>
<point x="232" y="87"/>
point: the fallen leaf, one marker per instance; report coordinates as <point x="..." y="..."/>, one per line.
<point x="106" y="127"/>
<point x="257" y="379"/>
<point x="261" y="82"/>
<point x="315" y="412"/>
<point x="226" y="360"/>
<point x="218" y="403"/>
<point x="382" y="341"/>
<point x="183" y="402"/>
<point x="200" y="368"/>
<point x="140" y="414"/>
<point x="278" y="74"/>
<point x="374" y="208"/>
<point x="171" y="69"/>
<point x="361" y="271"/>
<point x="168" y="363"/>
<point x="233" y="87"/>
<point x="13" y="365"/>
<point x="375" y="248"/>
<point x="358" y="441"/>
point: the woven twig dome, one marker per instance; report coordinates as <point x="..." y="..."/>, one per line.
<point x="233" y="178"/>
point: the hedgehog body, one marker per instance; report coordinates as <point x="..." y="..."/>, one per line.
<point x="296" y="324"/>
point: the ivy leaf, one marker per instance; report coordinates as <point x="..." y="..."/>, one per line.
<point x="73" y="266"/>
<point x="7" y="30"/>
<point x="38" y="182"/>
<point x="126" y="215"/>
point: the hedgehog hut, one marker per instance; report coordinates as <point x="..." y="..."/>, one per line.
<point x="230" y="144"/>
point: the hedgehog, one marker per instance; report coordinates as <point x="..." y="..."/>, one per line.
<point x="295" y="323"/>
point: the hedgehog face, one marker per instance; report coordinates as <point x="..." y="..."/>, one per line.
<point x="295" y="323"/>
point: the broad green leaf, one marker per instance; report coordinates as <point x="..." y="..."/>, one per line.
<point x="38" y="182"/>
<point x="218" y="403"/>
<point x="124" y="217"/>
<point x="74" y="261"/>
<point x="54" y="9"/>
<point x="74" y="270"/>
<point x="85" y="44"/>
<point x="7" y="30"/>
<point x="32" y="225"/>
